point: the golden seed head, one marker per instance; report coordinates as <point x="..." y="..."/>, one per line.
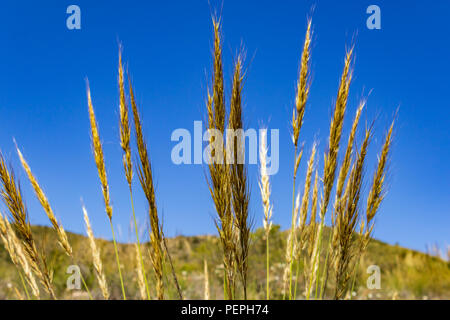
<point x="376" y="193"/>
<point x="302" y="87"/>
<point x="125" y="131"/>
<point x="336" y="125"/>
<point x="61" y="233"/>
<point x="98" y="156"/>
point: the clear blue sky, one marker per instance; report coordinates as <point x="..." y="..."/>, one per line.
<point x="167" y="46"/>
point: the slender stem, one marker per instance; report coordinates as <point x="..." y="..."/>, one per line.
<point x="325" y="266"/>
<point x="308" y="292"/>
<point x="165" y="276"/>
<point x="354" y="276"/>
<point x="318" y="257"/>
<point x="317" y="281"/>
<point x="314" y="262"/>
<point x="24" y="285"/>
<point x="139" y="244"/>
<point x="267" y="265"/>
<point x="292" y="228"/>
<point x="245" y="291"/>
<point x="118" y="261"/>
<point x="225" y="284"/>
<point x="86" y="287"/>
<point x="233" y="288"/>
<point x="82" y="279"/>
<point x="52" y="294"/>
<point x="296" y="279"/>
<point x="180" y="293"/>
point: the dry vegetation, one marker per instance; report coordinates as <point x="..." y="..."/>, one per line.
<point x="405" y="274"/>
<point x="309" y="261"/>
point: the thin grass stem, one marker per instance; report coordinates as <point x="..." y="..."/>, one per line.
<point x="118" y="261"/>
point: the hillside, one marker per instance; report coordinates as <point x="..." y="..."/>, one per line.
<point x="405" y="274"/>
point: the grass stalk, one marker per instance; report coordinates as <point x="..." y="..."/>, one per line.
<point x="264" y="186"/>
<point x="172" y="268"/>
<point x="267" y="269"/>
<point x="206" y="275"/>
<point x="146" y="180"/>
<point x="100" y="163"/>
<point x="238" y="176"/>
<point x="57" y="226"/>
<point x="297" y="272"/>
<point x="24" y="285"/>
<point x="324" y="277"/>
<point x="293" y="222"/>
<point x="96" y="259"/>
<point x="12" y="197"/>
<point x="219" y="180"/>
<point x="125" y="137"/>
<point x="141" y="259"/>
<point x="118" y="261"/>
<point x="302" y="94"/>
